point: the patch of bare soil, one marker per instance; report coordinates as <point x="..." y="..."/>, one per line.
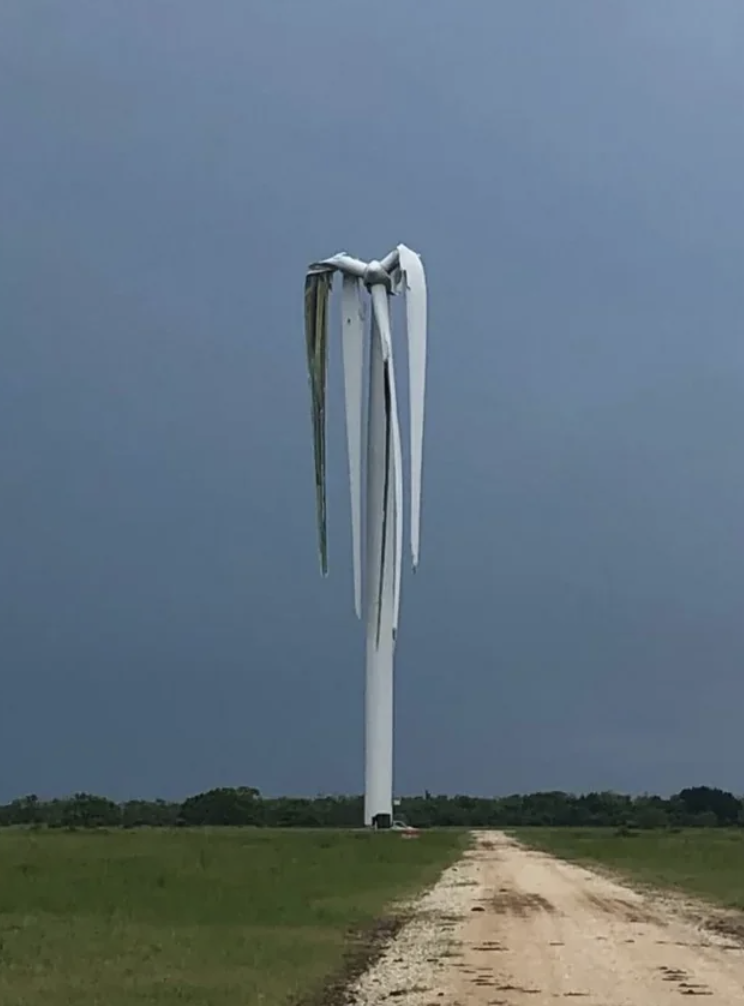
<point x="521" y="903"/>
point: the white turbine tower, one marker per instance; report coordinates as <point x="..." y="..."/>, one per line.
<point x="381" y="461"/>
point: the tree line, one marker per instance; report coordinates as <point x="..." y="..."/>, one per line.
<point x="244" y="806"/>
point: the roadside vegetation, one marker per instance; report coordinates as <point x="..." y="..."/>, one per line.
<point x="210" y="917"/>
<point x="704" y="862"/>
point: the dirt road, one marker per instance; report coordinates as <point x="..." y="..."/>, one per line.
<point x="508" y="925"/>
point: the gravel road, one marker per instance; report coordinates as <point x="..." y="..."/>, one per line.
<point x="508" y="925"/>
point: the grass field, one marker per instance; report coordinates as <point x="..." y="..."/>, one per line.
<point x="204" y="917"/>
<point x="707" y="862"/>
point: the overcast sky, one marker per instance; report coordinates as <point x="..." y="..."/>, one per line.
<point x="573" y="175"/>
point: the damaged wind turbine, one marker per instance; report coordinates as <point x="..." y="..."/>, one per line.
<point x="379" y="461"/>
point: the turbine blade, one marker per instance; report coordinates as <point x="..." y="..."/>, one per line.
<point x="386" y="491"/>
<point x="415" y="284"/>
<point x="317" y="289"/>
<point x="353" y="352"/>
<point x="397" y="501"/>
<point x="381" y="309"/>
<point x="381" y="312"/>
<point x="374" y="487"/>
<point x="393" y="491"/>
<point x="345" y="263"/>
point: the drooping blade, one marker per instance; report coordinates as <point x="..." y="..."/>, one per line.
<point x="415" y="285"/>
<point x="374" y="488"/>
<point x="386" y="492"/>
<point x="317" y="290"/>
<point x="397" y="501"/>
<point x="381" y="310"/>
<point x="352" y="316"/>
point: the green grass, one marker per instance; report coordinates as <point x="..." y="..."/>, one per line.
<point x="705" y="862"/>
<point x="205" y="917"/>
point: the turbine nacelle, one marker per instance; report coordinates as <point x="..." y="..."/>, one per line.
<point x="376" y="275"/>
<point x="386" y="273"/>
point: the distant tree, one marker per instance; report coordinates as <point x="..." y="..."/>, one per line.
<point x="699" y="806"/>
<point x="650" y="812"/>
<point x="84" y="810"/>
<point x="149" y="814"/>
<point x="26" y="810"/>
<point x="699" y="800"/>
<point x="222" y="806"/>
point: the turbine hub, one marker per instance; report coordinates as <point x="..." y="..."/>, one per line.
<point x="375" y="274"/>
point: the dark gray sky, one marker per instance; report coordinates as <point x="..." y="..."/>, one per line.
<point x="573" y="174"/>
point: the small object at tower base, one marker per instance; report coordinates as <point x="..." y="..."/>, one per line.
<point x="382" y="822"/>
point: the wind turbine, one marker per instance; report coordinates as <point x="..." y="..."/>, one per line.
<point x="379" y="461"/>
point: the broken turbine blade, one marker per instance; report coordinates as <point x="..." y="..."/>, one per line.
<point x="317" y="290"/>
<point x="381" y="310"/>
<point x="412" y="269"/>
<point x="352" y="319"/>
<point x="397" y="502"/>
